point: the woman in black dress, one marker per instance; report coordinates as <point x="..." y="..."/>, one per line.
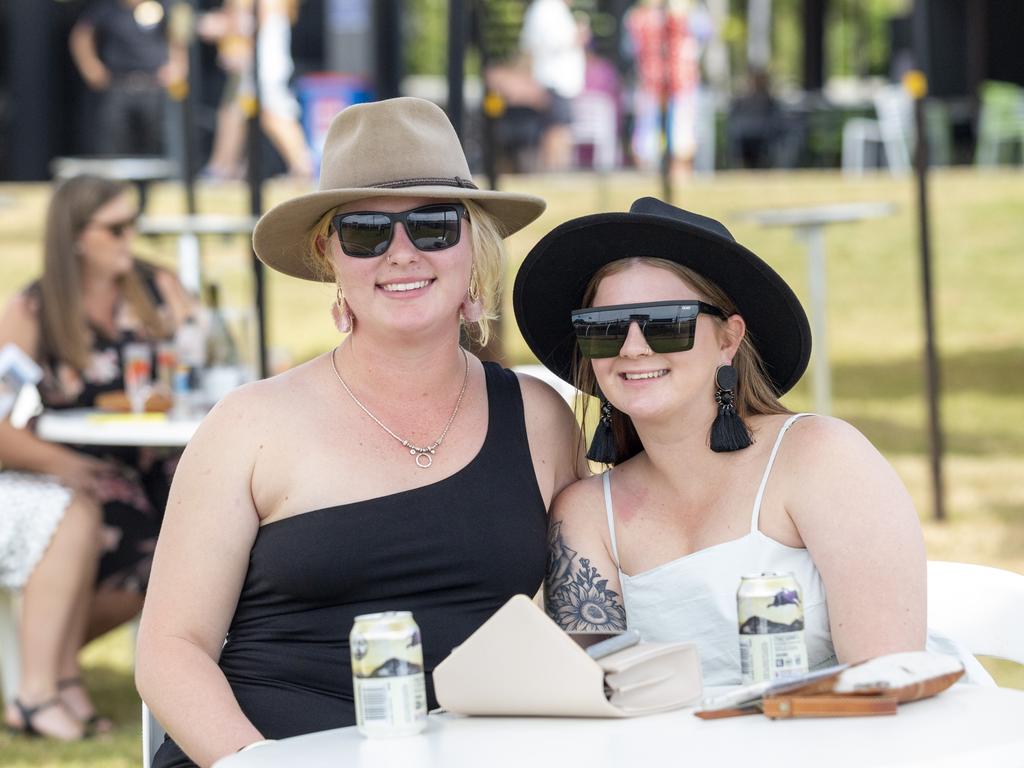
<point x="395" y="472"/>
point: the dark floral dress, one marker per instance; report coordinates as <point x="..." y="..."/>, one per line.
<point x="135" y="496"/>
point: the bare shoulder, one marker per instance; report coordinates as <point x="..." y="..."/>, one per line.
<point x="19" y="322"/>
<point x="814" y="441"/>
<point x="580" y="503"/>
<point x="261" y="407"/>
<point x="540" y="395"/>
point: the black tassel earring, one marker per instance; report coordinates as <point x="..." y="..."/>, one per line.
<point x="602" y="447"/>
<point x="728" y="432"/>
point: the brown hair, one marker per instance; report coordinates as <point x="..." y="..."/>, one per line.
<point x="63" y="327"/>
<point x="755" y="394"/>
<point x="489" y="259"/>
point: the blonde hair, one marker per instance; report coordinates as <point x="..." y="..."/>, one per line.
<point x="755" y="394"/>
<point x="64" y="329"/>
<point x="486" y="274"/>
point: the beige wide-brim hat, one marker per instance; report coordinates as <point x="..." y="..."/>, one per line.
<point x="403" y="147"/>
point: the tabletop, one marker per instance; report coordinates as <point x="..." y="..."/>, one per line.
<point x="819" y="214"/>
<point x="123" y="167"/>
<point x="197" y="224"/>
<point x="88" y="426"/>
<point x="965" y="725"/>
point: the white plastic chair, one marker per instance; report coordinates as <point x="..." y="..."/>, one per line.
<point x="10" y="658"/>
<point x="981" y="607"/>
<point x="566" y="390"/>
<point x="892" y="131"/>
<point x="152" y="736"/>
<point x="594" y="124"/>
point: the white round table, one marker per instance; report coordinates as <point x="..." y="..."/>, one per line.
<point x="87" y="426"/>
<point x="963" y="726"/>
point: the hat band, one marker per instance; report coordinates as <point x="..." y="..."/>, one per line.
<point x="441" y="181"/>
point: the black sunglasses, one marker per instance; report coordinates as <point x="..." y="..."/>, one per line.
<point x="365" y="234"/>
<point x="668" y="326"/>
<point x="117" y="228"/>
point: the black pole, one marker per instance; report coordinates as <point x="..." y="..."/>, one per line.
<point x="814" y="45"/>
<point x="388" y="47"/>
<point x="493" y="105"/>
<point x="918" y="87"/>
<point x="456" y="63"/>
<point x="185" y="35"/>
<point x="255" y="179"/>
<point x="666" y="107"/>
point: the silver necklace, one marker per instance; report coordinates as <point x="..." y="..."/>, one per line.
<point x="425" y="455"/>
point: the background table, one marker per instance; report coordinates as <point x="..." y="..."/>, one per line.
<point x="810" y="224"/>
<point x="964" y="726"/>
<point x="87" y="426"/>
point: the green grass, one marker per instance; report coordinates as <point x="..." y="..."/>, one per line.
<point x="875" y="339"/>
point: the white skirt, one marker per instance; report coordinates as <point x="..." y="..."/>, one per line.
<point x="31" y="508"/>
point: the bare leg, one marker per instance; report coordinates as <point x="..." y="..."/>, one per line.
<point x="72" y="690"/>
<point x="288" y="138"/>
<point x="48" y="606"/>
<point x="556" y="148"/>
<point x="228" y="141"/>
<point x="111" y="608"/>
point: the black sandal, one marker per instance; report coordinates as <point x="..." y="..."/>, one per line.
<point x="28" y="728"/>
<point x="95" y="724"/>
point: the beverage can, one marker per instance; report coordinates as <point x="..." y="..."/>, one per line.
<point x="771" y="627"/>
<point x="387" y="674"/>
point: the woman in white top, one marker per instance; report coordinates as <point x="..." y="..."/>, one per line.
<point x="703" y="488"/>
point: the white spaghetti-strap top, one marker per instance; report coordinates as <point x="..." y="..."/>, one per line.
<point x="694" y="597"/>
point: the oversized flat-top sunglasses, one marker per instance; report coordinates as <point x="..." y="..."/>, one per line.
<point x="365" y="234"/>
<point x="668" y="326"/>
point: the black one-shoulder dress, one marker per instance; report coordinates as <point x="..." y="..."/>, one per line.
<point x="452" y="552"/>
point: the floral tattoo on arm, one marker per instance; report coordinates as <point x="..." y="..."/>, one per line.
<point x="577" y="598"/>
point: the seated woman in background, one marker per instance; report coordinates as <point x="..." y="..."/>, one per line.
<point x="689" y="339"/>
<point x="396" y="471"/>
<point x="63" y="508"/>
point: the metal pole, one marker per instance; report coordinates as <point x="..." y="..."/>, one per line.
<point x="666" y="101"/>
<point x="916" y="83"/>
<point x="183" y="33"/>
<point x="456" y="63"/>
<point x="492" y="106"/>
<point x="255" y="179"/>
<point x="814" y="237"/>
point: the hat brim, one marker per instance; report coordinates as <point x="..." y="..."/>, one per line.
<point x="279" y="238"/>
<point x="554" y="275"/>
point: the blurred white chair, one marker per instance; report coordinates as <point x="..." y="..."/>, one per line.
<point x="10" y="658"/>
<point x="981" y="607"/>
<point x="152" y="736"/>
<point x="565" y="389"/>
<point x="892" y="132"/>
<point x="594" y="124"/>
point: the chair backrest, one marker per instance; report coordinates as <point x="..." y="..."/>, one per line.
<point x="10" y="658"/>
<point x="895" y="113"/>
<point x="152" y="736"/>
<point x="979" y="606"/>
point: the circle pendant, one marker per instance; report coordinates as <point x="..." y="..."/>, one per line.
<point x="427" y="460"/>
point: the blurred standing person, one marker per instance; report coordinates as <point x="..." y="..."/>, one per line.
<point x="554" y="41"/>
<point x="121" y="50"/>
<point x="667" y="72"/>
<point x="232" y="28"/>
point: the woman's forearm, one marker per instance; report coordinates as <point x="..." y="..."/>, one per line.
<point x="20" y="449"/>
<point x="191" y="698"/>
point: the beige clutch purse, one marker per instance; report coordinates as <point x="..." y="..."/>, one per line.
<point x="520" y="663"/>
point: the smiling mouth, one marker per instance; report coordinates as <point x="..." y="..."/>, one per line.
<point x="645" y="375"/>
<point x="403" y="287"/>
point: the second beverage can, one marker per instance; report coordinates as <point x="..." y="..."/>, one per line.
<point x="387" y="674"/>
<point x="771" y="627"/>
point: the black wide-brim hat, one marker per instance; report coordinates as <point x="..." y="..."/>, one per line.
<point x="554" y="275"/>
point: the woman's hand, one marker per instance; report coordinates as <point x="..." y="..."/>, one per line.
<point x="83" y="473"/>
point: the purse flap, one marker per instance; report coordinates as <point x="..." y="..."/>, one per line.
<point x="519" y="662"/>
